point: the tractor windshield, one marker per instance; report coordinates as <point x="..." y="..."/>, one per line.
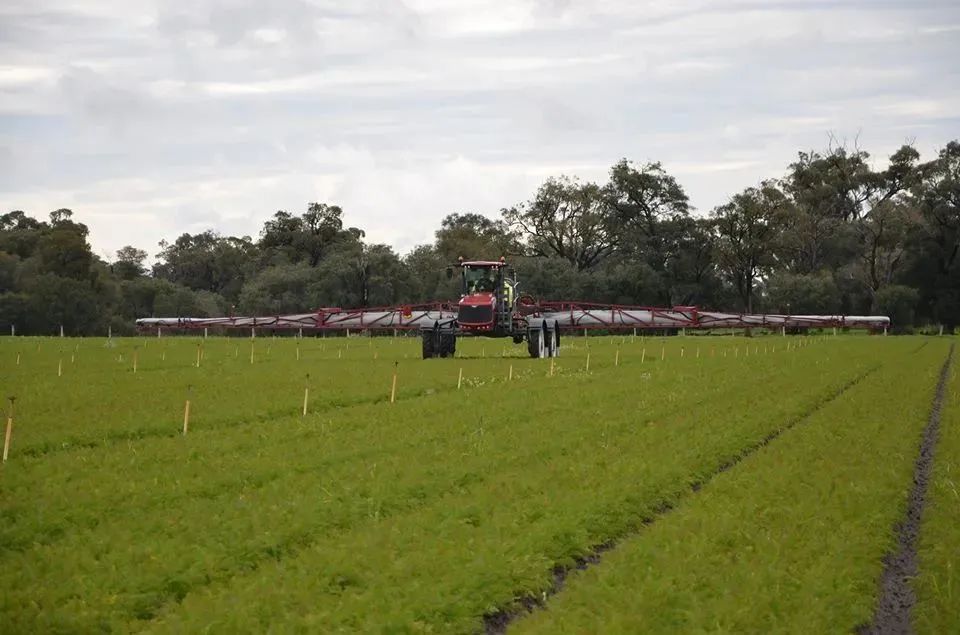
<point x="479" y="279"/>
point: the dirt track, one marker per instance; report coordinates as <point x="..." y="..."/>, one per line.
<point x="892" y="614"/>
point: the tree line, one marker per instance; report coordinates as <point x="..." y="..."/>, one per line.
<point x="835" y="234"/>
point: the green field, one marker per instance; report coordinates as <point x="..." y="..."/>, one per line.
<point x="710" y="483"/>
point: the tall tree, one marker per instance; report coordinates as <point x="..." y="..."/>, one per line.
<point x="566" y="219"/>
<point x="129" y="263"/>
<point x="935" y="267"/>
<point x="745" y="233"/>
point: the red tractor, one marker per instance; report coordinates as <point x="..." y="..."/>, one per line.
<point x="490" y="306"/>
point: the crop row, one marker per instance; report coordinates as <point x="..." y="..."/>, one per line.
<point x="791" y="539"/>
<point x="435" y="510"/>
<point x="938" y="583"/>
<point x="100" y="400"/>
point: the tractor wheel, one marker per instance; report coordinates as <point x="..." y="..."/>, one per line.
<point x="448" y="345"/>
<point x="428" y="351"/>
<point x="554" y="348"/>
<point x="536" y="344"/>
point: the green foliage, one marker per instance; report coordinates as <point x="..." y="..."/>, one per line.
<point x="829" y="236"/>
<point x="803" y="293"/>
<point x="792" y="539"/>
<point x="937" y="585"/>
<point x="366" y="516"/>
<point x="898" y="302"/>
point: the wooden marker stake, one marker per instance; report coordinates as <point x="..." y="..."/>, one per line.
<point x="460" y="378"/>
<point x="616" y="359"/>
<point x="135" y="355"/>
<point x="681" y="352"/>
<point x="251" y="352"/>
<point x="393" y="384"/>
<point x="588" y="362"/>
<point x="510" y="373"/>
<point x="298" y="352"/>
<point x="698" y="352"/>
<point x="9" y="432"/>
<point x="18" y="358"/>
<point x="552" y="359"/>
<point x="643" y="355"/>
<point x="306" y="394"/>
<point x="198" y="356"/>
<point x="60" y="368"/>
<point x="186" y="411"/>
<point x="663" y="353"/>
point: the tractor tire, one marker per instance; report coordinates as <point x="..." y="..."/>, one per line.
<point x="428" y="351"/>
<point x="553" y="348"/>
<point x="448" y="345"/>
<point x="536" y="344"/>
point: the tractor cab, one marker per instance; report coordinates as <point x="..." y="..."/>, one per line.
<point x="486" y="296"/>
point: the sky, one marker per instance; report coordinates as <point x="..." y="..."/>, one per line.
<point x="154" y="118"/>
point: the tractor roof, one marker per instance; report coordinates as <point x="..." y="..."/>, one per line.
<point x="483" y="263"/>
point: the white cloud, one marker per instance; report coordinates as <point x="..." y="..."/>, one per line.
<point x="151" y="118"/>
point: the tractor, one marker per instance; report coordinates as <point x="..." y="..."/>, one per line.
<point x="490" y="306"/>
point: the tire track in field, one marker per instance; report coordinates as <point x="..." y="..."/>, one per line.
<point x="896" y="599"/>
<point x="497" y="622"/>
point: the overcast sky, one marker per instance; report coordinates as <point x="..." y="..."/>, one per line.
<point x="150" y="119"/>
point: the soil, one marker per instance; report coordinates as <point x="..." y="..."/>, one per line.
<point x="896" y="599"/>
<point x="498" y="621"/>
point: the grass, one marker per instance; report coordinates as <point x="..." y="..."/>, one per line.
<point x="938" y="584"/>
<point x="422" y="515"/>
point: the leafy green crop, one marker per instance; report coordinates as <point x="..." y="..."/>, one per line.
<point x="421" y="515"/>
<point x="938" y="583"/>
<point x="790" y="540"/>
